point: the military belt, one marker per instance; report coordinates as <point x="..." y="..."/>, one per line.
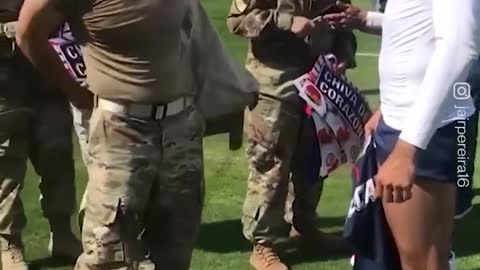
<point x="144" y="111"/>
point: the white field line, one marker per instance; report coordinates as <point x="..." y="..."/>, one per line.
<point x="367" y="54"/>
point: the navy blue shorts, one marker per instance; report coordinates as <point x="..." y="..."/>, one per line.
<point x="448" y="158"/>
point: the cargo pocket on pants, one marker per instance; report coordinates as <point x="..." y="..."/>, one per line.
<point x="102" y="234"/>
<point x="250" y="218"/>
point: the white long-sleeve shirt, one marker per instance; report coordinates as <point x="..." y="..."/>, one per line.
<point x="427" y="47"/>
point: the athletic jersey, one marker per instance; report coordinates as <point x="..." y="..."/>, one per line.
<point x="426" y="49"/>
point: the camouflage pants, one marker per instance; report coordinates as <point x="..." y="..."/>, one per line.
<point x="46" y="138"/>
<point x="279" y="194"/>
<point x="81" y="120"/>
<point x="145" y="191"/>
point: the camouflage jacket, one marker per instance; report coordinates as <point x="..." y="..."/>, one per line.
<point x="267" y="22"/>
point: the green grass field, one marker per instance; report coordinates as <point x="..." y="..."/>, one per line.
<point x="221" y="245"/>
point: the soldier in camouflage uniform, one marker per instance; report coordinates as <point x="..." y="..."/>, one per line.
<point x="146" y="187"/>
<point x="35" y="123"/>
<point x="145" y="159"/>
<point x="284" y="43"/>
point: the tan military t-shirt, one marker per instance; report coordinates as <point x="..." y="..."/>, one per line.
<point x="134" y="50"/>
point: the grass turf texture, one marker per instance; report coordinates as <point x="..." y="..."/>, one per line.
<point x="221" y="245"/>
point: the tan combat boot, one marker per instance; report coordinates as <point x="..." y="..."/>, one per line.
<point x="264" y="258"/>
<point x="12" y="257"/>
<point x="65" y="245"/>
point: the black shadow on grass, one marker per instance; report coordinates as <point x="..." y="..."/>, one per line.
<point x="327" y="222"/>
<point x="49" y="262"/>
<point x="467" y="236"/>
<point x="318" y="254"/>
<point x="223" y="237"/>
<point x="226" y="236"/>
<point x="476" y="191"/>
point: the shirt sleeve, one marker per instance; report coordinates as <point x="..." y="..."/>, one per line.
<point x="250" y="18"/>
<point x="456" y="26"/>
<point x="374" y="20"/>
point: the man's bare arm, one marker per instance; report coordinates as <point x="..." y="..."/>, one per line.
<point x="353" y="17"/>
<point x="37" y="21"/>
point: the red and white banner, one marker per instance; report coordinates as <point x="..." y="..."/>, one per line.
<point x="70" y="53"/>
<point x="64" y="45"/>
<point x="339" y="112"/>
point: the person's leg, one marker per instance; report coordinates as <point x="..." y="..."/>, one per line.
<point x="51" y="154"/>
<point x="13" y="160"/>
<point x="423" y="225"/>
<point x="81" y="120"/>
<point x="307" y="190"/>
<point x="272" y="129"/>
<point x="173" y="220"/>
<point x="301" y="206"/>
<point x="15" y="122"/>
<point x="121" y="174"/>
<point x="306" y="187"/>
<point x="15" y="125"/>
